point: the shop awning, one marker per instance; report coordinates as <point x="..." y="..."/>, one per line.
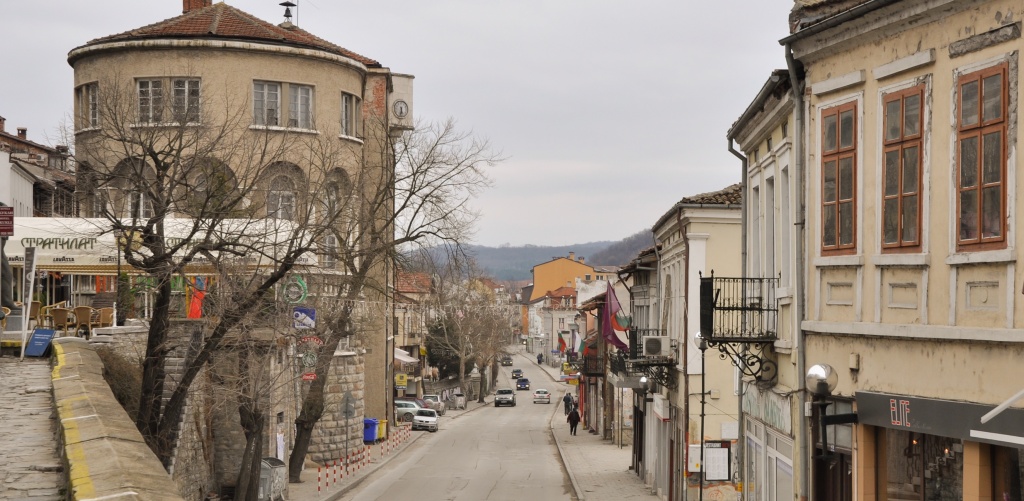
<point x="87" y="245"/>
<point x="403" y="356"/>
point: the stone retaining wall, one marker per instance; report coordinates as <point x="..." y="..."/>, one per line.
<point x="105" y="456"/>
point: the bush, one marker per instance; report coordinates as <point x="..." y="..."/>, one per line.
<point x="124" y="377"/>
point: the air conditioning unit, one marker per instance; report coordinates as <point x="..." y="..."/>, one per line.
<point x="657" y="346"/>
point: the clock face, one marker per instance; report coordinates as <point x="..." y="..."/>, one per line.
<point x="401" y="108"/>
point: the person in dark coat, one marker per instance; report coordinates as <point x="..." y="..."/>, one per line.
<point x="573" y="420"/>
<point x="567" y="400"/>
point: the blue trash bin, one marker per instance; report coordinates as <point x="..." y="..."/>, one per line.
<point x="369" y="430"/>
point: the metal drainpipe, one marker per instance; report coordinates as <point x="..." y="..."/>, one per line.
<point x="797" y="89"/>
<point x="743" y="274"/>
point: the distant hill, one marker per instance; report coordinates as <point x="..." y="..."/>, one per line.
<point x="514" y="263"/>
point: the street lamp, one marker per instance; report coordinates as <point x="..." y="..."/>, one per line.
<point x="821" y="380"/>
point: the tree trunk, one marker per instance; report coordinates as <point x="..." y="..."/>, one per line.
<point x="153" y="374"/>
<point x="483" y="386"/>
<point x="248" y="484"/>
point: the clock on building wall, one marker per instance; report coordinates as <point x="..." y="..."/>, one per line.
<point x="400" y="108"/>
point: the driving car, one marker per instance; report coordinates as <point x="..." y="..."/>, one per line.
<point x="517" y="373"/>
<point x="541" y="395"/>
<point x="425" y="419"/>
<point x="523" y="384"/>
<point x="505" y="396"/>
<point x="506" y="360"/>
<point x="435" y="402"/>
<point x="404" y="411"/>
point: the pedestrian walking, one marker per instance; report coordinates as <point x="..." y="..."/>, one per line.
<point x="567" y="400"/>
<point x="540" y="358"/>
<point x="573" y="420"/>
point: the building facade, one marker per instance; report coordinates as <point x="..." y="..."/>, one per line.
<point x="912" y="270"/>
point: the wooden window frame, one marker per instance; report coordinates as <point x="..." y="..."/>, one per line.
<point x="980" y="129"/>
<point x="837" y="155"/>
<point x="899" y="145"/>
<point x="149" y="93"/>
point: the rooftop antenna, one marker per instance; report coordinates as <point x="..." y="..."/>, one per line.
<point x="288" y="11"/>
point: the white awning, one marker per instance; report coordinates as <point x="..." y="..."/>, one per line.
<point x="403" y="356"/>
<point x="88" y="245"/>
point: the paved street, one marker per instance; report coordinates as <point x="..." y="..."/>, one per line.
<point x="29" y="466"/>
<point x="597" y="468"/>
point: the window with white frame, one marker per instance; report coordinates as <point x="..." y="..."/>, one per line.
<point x="300" y="106"/>
<point x="330" y="250"/>
<point x="281" y="199"/>
<point x="838" y="179"/>
<point x="982" y="98"/>
<point x="266" y="98"/>
<point x="150" y="100"/>
<point x="88" y="106"/>
<point x="141" y="205"/>
<point x="185" y="104"/>
<point x="769" y="464"/>
<point x="901" y="171"/>
<point x="349" y="114"/>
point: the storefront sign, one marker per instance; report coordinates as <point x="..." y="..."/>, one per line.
<point x="768" y="407"/>
<point x="309" y="376"/>
<point x="6" y="221"/>
<point x="401" y="380"/>
<point x="945" y="418"/>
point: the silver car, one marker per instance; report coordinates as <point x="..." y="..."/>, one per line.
<point x="425" y="419"/>
<point x="435" y="402"/>
<point x="404" y="411"/>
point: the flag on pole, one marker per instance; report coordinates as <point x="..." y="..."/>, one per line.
<point x="195" y="308"/>
<point x="611" y="320"/>
<point x="561" y="343"/>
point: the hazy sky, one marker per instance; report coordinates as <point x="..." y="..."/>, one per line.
<point x="608" y="112"/>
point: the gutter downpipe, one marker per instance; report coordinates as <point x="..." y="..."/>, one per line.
<point x="743" y="274"/>
<point x="797" y="87"/>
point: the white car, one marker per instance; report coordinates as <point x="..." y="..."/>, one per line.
<point x="541" y="395"/>
<point x="425" y="419"/>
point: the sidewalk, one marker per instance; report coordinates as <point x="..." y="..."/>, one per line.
<point x="598" y="469"/>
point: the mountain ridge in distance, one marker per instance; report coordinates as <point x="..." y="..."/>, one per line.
<point x="513" y="263"/>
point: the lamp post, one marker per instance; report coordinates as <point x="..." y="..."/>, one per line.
<point x="702" y="344"/>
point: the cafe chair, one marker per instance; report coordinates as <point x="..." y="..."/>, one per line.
<point x="35" y="314"/>
<point x="105" y="317"/>
<point x="83" y="320"/>
<point x="60" y="318"/>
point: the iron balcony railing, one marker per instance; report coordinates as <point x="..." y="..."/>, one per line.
<point x="593" y="366"/>
<point x="738" y="310"/>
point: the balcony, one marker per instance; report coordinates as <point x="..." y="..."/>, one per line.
<point x="593" y="366"/>
<point x="739" y="316"/>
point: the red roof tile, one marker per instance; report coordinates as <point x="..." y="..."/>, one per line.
<point x="222" y="21"/>
<point x="410" y="282"/>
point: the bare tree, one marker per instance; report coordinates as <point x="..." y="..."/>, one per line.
<point x="416" y="194"/>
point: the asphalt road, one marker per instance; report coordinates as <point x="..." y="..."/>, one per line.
<point x="490" y="454"/>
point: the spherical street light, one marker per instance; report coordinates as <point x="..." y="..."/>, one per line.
<point x="821" y="379"/>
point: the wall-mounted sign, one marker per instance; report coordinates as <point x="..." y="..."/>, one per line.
<point x="309" y="376"/>
<point x="304" y="317"/>
<point x="401" y="380"/>
<point x="294" y="290"/>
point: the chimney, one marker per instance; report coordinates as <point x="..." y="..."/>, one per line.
<point x="572" y="256"/>
<point x="2" y="120"/>
<point x="190" y="5"/>
<point x="583" y="260"/>
<point x="22" y="133"/>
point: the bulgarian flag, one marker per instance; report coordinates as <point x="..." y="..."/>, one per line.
<point x="561" y="343"/>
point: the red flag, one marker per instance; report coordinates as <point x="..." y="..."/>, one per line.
<point x="561" y="343"/>
<point x="609" y="324"/>
<point x="195" y="307"/>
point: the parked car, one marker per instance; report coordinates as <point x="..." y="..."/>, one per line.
<point x="505" y="396"/>
<point x="541" y="395"/>
<point x="435" y="402"/>
<point x="404" y="411"/>
<point x="523" y="384"/>
<point x="506" y="360"/>
<point x="425" y="419"/>
<point x="418" y="401"/>
<point x="517" y="373"/>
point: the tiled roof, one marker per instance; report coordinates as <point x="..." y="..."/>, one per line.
<point x="730" y="195"/>
<point x="224" y="22"/>
<point x="411" y="282"/>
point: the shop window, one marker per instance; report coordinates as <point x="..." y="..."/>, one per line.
<point x="1006" y="474"/>
<point x="919" y="466"/>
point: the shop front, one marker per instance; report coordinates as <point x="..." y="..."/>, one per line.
<point x="933" y="449"/>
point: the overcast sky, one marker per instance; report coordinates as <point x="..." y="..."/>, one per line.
<point x="608" y="112"/>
